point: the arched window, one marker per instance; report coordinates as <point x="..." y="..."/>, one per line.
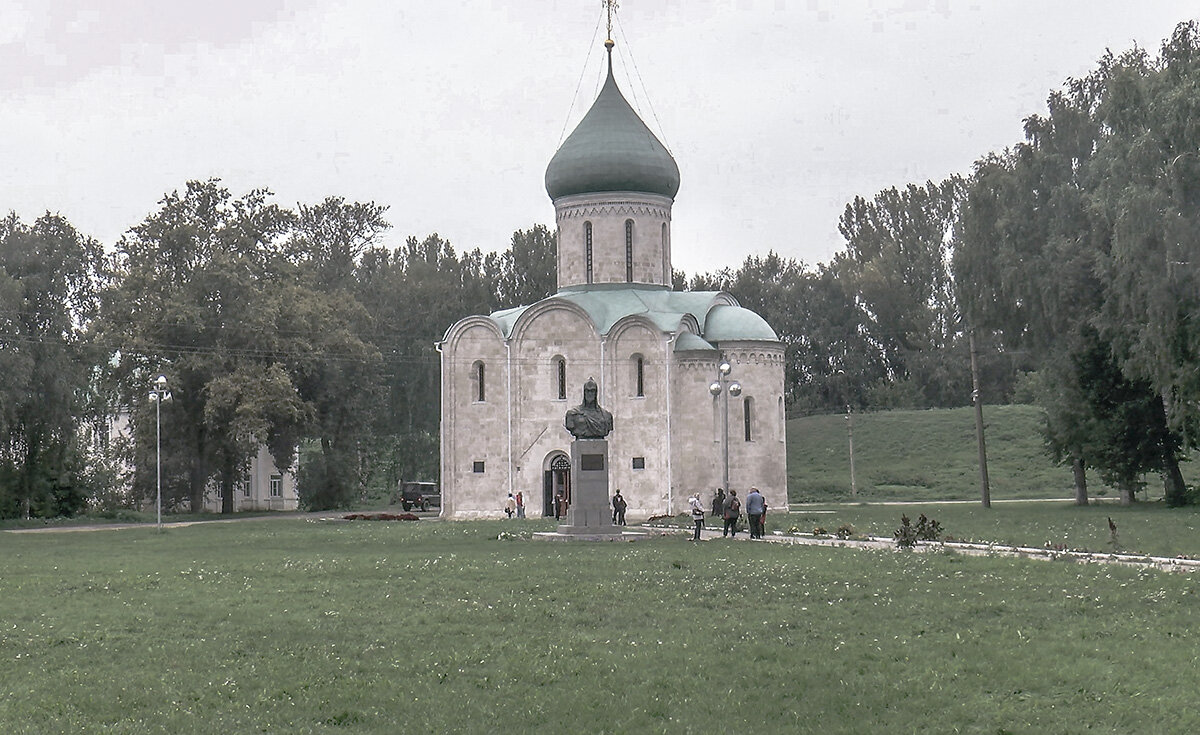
<point x="629" y="252"/>
<point x="479" y="381"/>
<point x="666" y="260"/>
<point x="747" y="416"/>
<point x="637" y="375"/>
<point x="587" y="248"/>
<point x="560" y="378"/>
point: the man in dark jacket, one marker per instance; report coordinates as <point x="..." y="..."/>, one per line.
<point x="733" y="509"/>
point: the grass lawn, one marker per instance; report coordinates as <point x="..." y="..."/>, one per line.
<point x="931" y="455"/>
<point x="429" y="627"/>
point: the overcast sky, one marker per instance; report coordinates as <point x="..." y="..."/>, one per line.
<point x="778" y="112"/>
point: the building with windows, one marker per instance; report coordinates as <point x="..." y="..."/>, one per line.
<point x="263" y="487"/>
<point x="680" y="426"/>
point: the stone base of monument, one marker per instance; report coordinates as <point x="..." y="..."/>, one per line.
<point x="620" y="535"/>
<point x="589" y="518"/>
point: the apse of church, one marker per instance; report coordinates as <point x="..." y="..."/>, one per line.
<point x="509" y="377"/>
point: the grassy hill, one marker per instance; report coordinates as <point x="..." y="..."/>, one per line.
<point x="927" y="455"/>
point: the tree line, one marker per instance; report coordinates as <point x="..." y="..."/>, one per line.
<point x="1070" y="257"/>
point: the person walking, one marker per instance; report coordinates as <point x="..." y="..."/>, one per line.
<point x="697" y="514"/>
<point x="520" y="506"/>
<point x="619" y="506"/>
<point x="510" y="506"/>
<point x="756" y="505"/>
<point x="718" y="508"/>
<point x="733" y="509"/>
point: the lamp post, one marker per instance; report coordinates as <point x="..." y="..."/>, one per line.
<point x="722" y="388"/>
<point x="158" y="394"/>
<point x="850" y="436"/>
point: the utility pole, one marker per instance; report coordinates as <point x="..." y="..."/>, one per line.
<point x="977" y="399"/>
<point x="850" y="435"/>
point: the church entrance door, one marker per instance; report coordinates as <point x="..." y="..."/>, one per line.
<point x="556" y="483"/>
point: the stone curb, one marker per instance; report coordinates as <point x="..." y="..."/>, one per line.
<point x="1163" y="563"/>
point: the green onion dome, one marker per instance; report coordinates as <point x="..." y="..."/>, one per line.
<point x="611" y="150"/>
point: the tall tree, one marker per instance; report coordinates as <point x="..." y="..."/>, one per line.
<point x="528" y="269"/>
<point x="334" y="363"/>
<point x="48" y="283"/>
<point x="199" y="294"/>
<point x="897" y="260"/>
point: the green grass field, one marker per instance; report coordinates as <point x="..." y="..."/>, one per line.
<point x="929" y="455"/>
<point x="294" y="626"/>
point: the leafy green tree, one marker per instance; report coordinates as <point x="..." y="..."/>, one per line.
<point x="200" y="293"/>
<point x="334" y="364"/>
<point x="528" y="269"/>
<point x="897" y="262"/>
<point x="49" y="276"/>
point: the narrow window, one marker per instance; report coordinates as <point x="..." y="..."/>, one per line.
<point x="641" y="377"/>
<point x="665" y="257"/>
<point x="276" y="486"/>
<point x="587" y="238"/>
<point x="480" y="380"/>
<point x="639" y="463"/>
<point x="246" y="485"/>
<point x="747" y="415"/>
<point x="629" y="252"/>
<point x="561" y="377"/>
<point x="477" y="467"/>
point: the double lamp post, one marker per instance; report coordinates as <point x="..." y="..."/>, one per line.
<point x="158" y="394"/>
<point x="722" y="388"/>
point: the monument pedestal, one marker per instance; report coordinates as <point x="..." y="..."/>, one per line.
<point x="589" y="514"/>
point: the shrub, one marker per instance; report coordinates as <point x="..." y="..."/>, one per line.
<point x="928" y="530"/>
<point x="906" y="535"/>
<point x="844" y="531"/>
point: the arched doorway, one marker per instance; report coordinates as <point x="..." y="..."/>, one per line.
<point x="556" y="479"/>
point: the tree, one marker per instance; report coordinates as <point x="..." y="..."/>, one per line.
<point x="199" y="293"/>
<point x="897" y="265"/>
<point x="48" y="283"/>
<point x="334" y="363"/>
<point x="528" y="269"/>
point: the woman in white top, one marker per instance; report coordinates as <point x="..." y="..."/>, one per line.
<point x="697" y="514"/>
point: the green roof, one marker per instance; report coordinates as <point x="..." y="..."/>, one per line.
<point x="735" y="323"/>
<point x="607" y="304"/>
<point x="611" y="150"/>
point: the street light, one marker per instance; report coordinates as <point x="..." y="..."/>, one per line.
<point x="158" y="394"/>
<point x="722" y="388"/>
<point x="850" y="435"/>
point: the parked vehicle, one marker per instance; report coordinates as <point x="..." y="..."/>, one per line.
<point x="420" y="496"/>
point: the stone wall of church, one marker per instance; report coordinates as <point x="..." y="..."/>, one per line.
<point x="547" y="334"/>
<point x="474" y="425"/>
<point x="607" y="214"/>
<point x="638" y="446"/>
<point x="760" y="460"/>
<point x="695" y="427"/>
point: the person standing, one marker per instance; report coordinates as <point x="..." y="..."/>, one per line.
<point x="560" y="505"/>
<point x="520" y="506"/>
<point x="510" y="506"/>
<point x="756" y="505"/>
<point x="733" y="509"/>
<point x="619" y="506"/>
<point x="697" y="514"/>
<point x="718" y="509"/>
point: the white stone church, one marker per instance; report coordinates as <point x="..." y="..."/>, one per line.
<point x="509" y="377"/>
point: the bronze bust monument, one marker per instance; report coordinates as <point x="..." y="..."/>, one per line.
<point x="588" y="420"/>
